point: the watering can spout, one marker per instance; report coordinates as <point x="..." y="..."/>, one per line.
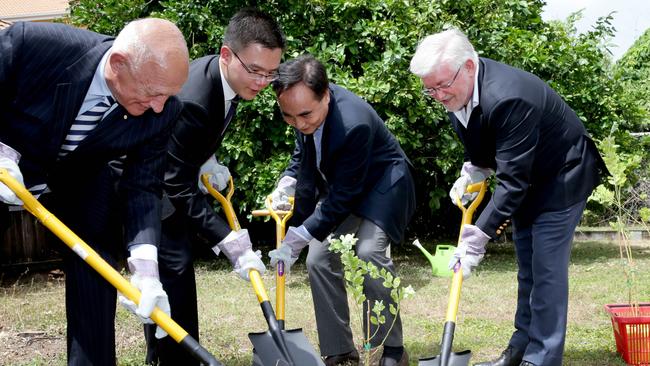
<point x="426" y="253"/>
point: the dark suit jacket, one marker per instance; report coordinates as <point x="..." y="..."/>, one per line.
<point x="543" y="157"/>
<point x="45" y="72"/>
<point x="197" y="135"/>
<point x="366" y="170"/>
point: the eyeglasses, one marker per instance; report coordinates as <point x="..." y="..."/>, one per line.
<point x="256" y="75"/>
<point x="432" y="91"/>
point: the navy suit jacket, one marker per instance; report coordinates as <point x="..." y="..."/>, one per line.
<point x="45" y="72"/>
<point x="366" y="170"/>
<point x="196" y="136"/>
<point x="543" y="157"/>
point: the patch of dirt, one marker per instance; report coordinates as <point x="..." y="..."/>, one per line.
<point x="27" y="346"/>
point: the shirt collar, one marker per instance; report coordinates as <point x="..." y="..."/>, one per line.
<point x="464" y="113"/>
<point x="98" y="86"/>
<point x="228" y="93"/>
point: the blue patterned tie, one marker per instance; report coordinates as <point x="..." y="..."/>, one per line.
<point x="84" y="124"/>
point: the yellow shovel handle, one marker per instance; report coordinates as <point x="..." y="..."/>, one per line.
<point x="457" y="279"/>
<point x="225" y="201"/>
<point x="86" y="253"/>
<point x="281" y="218"/>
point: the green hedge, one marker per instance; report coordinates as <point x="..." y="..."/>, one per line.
<point x="366" y="47"/>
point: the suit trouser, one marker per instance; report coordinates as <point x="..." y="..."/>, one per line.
<point x="328" y="287"/>
<point x="89" y="207"/>
<point x="543" y="250"/>
<point x="175" y="264"/>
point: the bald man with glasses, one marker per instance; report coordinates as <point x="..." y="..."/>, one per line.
<point x="247" y="63"/>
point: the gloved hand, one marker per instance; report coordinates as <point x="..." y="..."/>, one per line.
<point x="280" y="197"/>
<point x="294" y="241"/>
<point x="469" y="174"/>
<point x="247" y="261"/>
<point x="470" y="250"/>
<point x="145" y="278"/>
<point x="9" y="160"/>
<point x="219" y="175"/>
<point x="237" y="247"/>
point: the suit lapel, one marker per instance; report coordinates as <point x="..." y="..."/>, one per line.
<point x="69" y="96"/>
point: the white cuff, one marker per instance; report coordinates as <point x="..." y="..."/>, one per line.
<point x="304" y="233"/>
<point x="144" y="251"/>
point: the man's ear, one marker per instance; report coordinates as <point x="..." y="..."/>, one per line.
<point x="225" y="53"/>
<point x="118" y="62"/>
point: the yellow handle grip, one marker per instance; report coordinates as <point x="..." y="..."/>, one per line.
<point x="226" y="203"/>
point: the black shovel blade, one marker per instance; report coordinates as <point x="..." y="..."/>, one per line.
<point x="455" y="359"/>
<point x="267" y="352"/>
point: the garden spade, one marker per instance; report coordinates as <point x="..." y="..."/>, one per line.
<point x="301" y="350"/>
<point x="274" y="346"/>
<point x="446" y="356"/>
<point x="91" y="257"/>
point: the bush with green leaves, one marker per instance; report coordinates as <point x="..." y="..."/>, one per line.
<point x="366" y="46"/>
<point x="356" y="272"/>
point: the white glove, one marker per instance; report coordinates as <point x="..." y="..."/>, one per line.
<point x="469" y="174"/>
<point x="289" y="251"/>
<point x="470" y="250"/>
<point x="280" y="197"/>
<point x="145" y="278"/>
<point x="219" y="175"/>
<point x="283" y="254"/>
<point x="247" y="261"/>
<point x="8" y="162"/>
<point x="234" y="245"/>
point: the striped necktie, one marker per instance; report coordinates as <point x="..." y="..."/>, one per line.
<point x="84" y="124"/>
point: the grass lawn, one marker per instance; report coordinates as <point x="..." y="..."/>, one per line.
<point x="32" y="316"/>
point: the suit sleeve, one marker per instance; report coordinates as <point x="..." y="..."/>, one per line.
<point x="11" y="41"/>
<point x="346" y="185"/>
<point x="185" y="157"/>
<point x="141" y="185"/>
<point x="516" y="129"/>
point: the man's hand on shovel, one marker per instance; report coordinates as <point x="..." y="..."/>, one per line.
<point x="146" y="279"/>
<point x="470" y="250"/>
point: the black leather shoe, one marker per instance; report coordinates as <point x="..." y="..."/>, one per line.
<point x="387" y="361"/>
<point x="526" y="363"/>
<point x="350" y="358"/>
<point x="510" y="357"/>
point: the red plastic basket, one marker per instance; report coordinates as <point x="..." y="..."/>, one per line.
<point x="632" y="332"/>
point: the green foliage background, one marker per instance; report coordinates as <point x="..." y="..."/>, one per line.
<point x="366" y="46"/>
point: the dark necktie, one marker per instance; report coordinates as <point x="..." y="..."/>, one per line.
<point x="231" y="113"/>
<point x="84" y="124"/>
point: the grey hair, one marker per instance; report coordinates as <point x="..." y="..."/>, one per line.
<point x="150" y="39"/>
<point x="450" y="47"/>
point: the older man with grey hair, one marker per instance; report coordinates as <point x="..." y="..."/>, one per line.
<point x="546" y="165"/>
<point x="72" y="101"/>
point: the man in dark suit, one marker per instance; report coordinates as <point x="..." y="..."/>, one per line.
<point x="350" y="177"/>
<point x="61" y="127"/>
<point x="247" y="63"/>
<point x="546" y="165"/>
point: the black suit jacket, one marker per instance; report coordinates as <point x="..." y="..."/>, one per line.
<point x="366" y="170"/>
<point x="197" y="135"/>
<point x="45" y="72"/>
<point x="543" y="157"/>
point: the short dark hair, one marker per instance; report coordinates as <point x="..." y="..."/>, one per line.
<point x="250" y="25"/>
<point x="304" y="69"/>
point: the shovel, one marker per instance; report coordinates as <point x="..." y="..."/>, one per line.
<point x="275" y="346"/>
<point x="301" y="350"/>
<point x="91" y="257"/>
<point x="446" y="356"/>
